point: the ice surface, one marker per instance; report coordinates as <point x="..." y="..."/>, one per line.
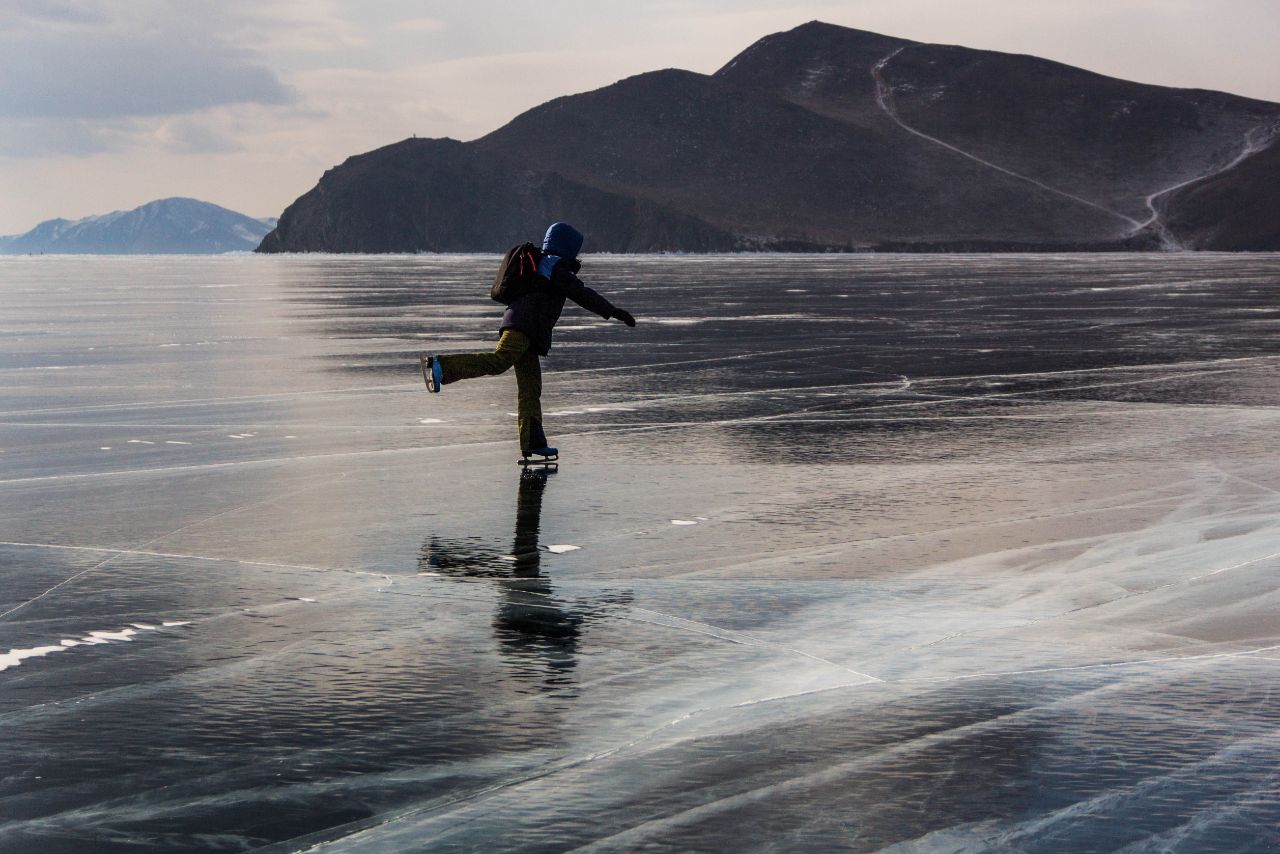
<point x="978" y="553"/>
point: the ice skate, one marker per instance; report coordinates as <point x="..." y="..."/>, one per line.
<point x="540" y="457"/>
<point x="431" y="372"/>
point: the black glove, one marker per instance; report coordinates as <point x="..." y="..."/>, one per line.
<point x="625" y="317"/>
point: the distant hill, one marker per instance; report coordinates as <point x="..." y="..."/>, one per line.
<point x="827" y="138"/>
<point x="167" y="226"/>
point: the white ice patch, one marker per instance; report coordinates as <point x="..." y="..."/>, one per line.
<point x="105" y="448"/>
<point x="683" y="522"/>
<point x="14" y="657"/>
<point x="424" y="421"/>
<point x="173" y="624"/>
<point x="175" y="442"/>
<point x="122" y="635"/>
<point x="140" y="442"/>
<point x="561" y="549"/>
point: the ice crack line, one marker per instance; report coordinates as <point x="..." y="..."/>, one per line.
<point x="884" y="100"/>
<point x="119" y="553"/>
<point x="1102" y="665"/>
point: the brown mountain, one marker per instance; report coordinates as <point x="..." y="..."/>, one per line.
<point x="825" y="137"/>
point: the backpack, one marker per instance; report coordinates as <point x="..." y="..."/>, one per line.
<point x="517" y="275"/>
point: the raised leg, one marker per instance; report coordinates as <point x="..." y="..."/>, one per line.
<point x="512" y="346"/>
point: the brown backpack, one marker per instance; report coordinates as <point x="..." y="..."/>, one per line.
<point x="517" y="275"/>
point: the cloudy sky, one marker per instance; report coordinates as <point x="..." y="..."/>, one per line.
<point x="106" y="104"/>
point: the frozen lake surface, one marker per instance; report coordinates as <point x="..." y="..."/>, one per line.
<point x="915" y="552"/>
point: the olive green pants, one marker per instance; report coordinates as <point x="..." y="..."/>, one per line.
<point x="513" y="350"/>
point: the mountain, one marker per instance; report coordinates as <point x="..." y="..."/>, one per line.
<point x="826" y="138"/>
<point x="166" y="226"/>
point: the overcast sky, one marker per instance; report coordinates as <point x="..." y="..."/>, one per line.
<point x="106" y="104"/>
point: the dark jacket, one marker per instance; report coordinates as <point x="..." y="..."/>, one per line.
<point x="535" y="314"/>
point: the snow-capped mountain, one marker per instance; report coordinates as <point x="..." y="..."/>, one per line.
<point x="166" y="226"/>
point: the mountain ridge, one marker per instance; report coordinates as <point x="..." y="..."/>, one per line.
<point x="172" y="225"/>
<point x="820" y="138"/>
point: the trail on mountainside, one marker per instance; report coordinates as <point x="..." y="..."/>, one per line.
<point x="1256" y="139"/>
<point x="884" y="99"/>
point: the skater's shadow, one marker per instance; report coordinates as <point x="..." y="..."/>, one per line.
<point x="537" y="632"/>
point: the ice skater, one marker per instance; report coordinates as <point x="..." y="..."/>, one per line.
<point x="534" y="283"/>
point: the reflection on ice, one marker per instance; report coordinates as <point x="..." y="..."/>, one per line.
<point x="538" y="630"/>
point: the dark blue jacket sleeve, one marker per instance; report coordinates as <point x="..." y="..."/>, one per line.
<point x="570" y="286"/>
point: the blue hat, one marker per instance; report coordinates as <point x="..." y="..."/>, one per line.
<point x="562" y="241"/>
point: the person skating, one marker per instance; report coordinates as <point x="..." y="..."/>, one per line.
<point x="525" y="335"/>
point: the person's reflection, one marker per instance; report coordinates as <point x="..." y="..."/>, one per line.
<point x="538" y="633"/>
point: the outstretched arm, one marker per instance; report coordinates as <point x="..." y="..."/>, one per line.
<point x="571" y="286"/>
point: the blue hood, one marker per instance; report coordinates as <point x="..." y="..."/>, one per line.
<point x="562" y="241"/>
